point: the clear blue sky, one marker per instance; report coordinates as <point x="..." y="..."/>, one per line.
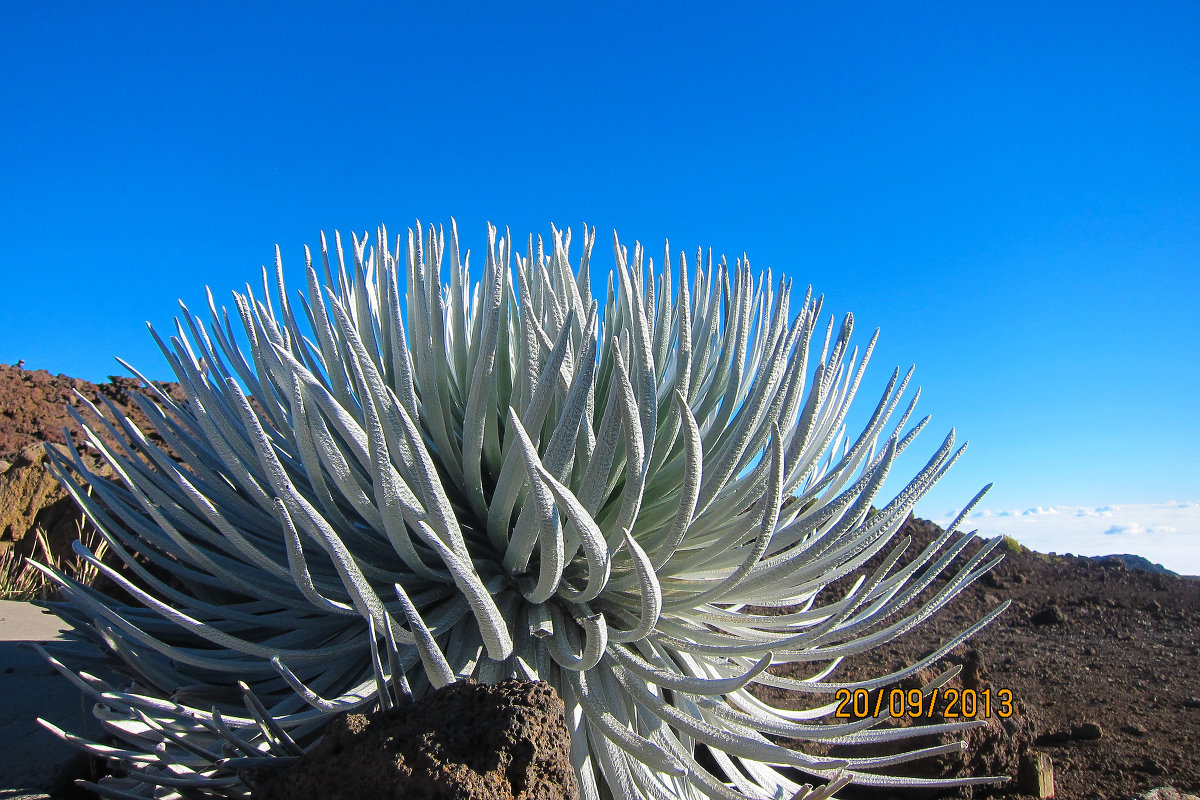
<point x="1011" y="192"/>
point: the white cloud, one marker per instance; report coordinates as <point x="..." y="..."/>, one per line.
<point x="1168" y="533"/>
<point x="1039" y="510"/>
<point x="1134" y="528"/>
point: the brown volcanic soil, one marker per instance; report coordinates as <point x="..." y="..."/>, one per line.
<point x="1103" y="663"/>
<point x="33" y="405"/>
<point x="33" y="411"/>
<point x="1086" y="641"/>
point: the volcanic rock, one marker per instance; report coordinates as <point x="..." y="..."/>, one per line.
<point x="1051" y="615"/>
<point x="26" y="488"/>
<point x="466" y="741"/>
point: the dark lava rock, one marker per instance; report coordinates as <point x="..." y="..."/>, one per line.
<point x="1088" y="731"/>
<point x="466" y="741"/>
<point x="1151" y="767"/>
<point x="1054" y="737"/>
<point x="1051" y="615"/>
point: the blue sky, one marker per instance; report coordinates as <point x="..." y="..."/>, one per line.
<point x="1011" y="192"/>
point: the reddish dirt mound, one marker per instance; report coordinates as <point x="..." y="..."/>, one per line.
<point x="33" y="411"/>
<point x="33" y="405"/>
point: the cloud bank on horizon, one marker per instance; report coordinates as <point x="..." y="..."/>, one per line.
<point x="1168" y="533"/>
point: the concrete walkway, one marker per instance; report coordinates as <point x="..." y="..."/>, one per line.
<point x="25" y="622"/>
<point x="33" y="761"/>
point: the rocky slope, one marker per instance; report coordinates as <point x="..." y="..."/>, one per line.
<point x="33" y="411"/>
<point x="1103" y="663"/>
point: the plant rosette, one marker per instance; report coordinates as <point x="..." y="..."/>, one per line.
<point x="387" y="484"/>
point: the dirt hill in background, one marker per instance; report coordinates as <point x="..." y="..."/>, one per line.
<point x="1103" y="661"/>
<point x="33" y="411"/>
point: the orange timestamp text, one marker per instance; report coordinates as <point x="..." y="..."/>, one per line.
<point x="914" y="704"/>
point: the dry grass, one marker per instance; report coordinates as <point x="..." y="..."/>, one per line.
<point x="21" y="580"/>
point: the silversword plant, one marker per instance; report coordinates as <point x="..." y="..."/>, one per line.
<point x="387" y="484"/>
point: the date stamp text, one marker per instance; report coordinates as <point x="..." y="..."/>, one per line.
<point x="913" y="703"/>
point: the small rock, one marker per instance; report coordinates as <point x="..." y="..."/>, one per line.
<point x="1036" y="775"/>
<point x="1051" y="615"/>
<point x="1136" y="729"/>
<point x="1151" y="766"/>
<point x="1166" y="793"/>
<point x="1192" y="702"/>
<point x="1088" y="731"/>
<point x="31" y="455"/>
<point x="1053" y="737"/>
